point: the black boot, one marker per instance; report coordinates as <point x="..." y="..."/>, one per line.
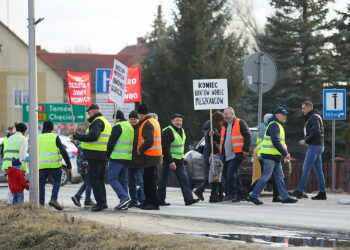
<point x="320" y="196"/>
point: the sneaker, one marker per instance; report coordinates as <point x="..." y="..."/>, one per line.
<point x="289" y="200"/>
<point x="276" y="199"/>
<point x="133" y="204"/>
<point x="76" y="200"/>
<point x="54" y="203"/>
<point x="89" y="203"/>
<point x="228" y="198"/>
<point x="123" y="204"/>
<point x="193" y="201"/>
<point x="297" y="194"/>
<point x="320" y="196"/>
<point x="254" y="200"/>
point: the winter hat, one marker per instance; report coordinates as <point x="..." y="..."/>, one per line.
<point x="143" y="109"/>
<point x="133" y="114"/>
<point x="48" y="125"/>
<point x="267" y="117"/>
<point x="119" y="115"/>
<point x="176" y="115"/>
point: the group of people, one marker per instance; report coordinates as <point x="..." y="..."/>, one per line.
<point x="231" y="140"/>
<point x="51" y="151"/>
<point x="133" y="149"/>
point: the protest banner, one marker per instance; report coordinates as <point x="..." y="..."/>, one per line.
<point x="117" y="84"/>
<point x="133" y="85"/>
<point x="210" y="94"/>
<point x="79" y="88"/>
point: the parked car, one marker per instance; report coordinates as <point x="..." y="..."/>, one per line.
<point x="73" y="176"/>
<point x="194" y="164"/>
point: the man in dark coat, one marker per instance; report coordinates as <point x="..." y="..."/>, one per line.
<point x="149" y="154"/>
<point x="314" y="141"/>
<point x="94" y="145"/>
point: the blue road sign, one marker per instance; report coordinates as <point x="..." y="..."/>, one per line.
<point x="102" y="80"/>
<point x="334" y="104"/>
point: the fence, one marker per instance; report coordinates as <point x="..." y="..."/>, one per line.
<point x="342" y="175"/>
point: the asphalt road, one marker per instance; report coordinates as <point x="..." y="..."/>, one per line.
<point x="307" y="217"/>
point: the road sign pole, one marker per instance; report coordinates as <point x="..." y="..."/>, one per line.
<point x="33" y="111"/>
<point x="71" y="108"/>
<point x="261" y="82"/>
<point x="333" y="155"/>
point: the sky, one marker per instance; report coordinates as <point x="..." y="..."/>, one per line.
<point x="100" y="26"/>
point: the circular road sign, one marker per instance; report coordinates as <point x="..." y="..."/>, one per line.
<point x="251" y="71"/>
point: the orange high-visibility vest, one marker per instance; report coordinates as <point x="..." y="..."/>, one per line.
<point x="156" y="149"/>
<point x="237" y="138"/>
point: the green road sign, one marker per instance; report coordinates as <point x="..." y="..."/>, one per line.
<point x="56" y="112"/>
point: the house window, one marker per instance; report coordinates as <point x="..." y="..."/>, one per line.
<point x="21" y="96"/>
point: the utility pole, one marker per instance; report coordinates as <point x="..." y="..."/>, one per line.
<point x="33" y="109"/>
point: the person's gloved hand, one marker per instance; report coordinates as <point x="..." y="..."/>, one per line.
<point x="16" y="162"/>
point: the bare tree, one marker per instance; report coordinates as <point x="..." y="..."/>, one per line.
<point x="244" y="20"/>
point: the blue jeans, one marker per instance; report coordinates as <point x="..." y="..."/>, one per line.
<point x="275" y="167"/>
<point x="17" y="198"/>
<point x="85" y="187"/>
<point x="181" y="178"/>
<point x="233" y="184"/>
<point x="313" y="158"/>
<point x="117" y="179"/>
<point x="56" y="174"/>
<point x="135" y="175"/>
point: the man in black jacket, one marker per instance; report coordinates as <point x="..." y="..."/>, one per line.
<point x="234" y="146"/>
<point x="173" y="145"/>
<point x="314" y="140"/>
<point x="94" y="145"/>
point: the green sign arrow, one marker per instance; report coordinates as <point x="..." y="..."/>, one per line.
<point x="56" y="112"/>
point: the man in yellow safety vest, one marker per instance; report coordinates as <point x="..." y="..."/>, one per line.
<point x="51" y="152"/>
<point x="273" y="150"/>
<point x="94" y="145"/>
<point x="119" y="152"/>
<point x="173" y="146"/>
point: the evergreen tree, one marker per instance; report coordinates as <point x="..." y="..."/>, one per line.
<point x="157" y="67"/>
<point x="340" y="68"/>
<point x="198" y="46"/>
<point x="295" y="38"/>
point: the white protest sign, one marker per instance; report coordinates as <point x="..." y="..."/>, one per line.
<point x="210" y="94"/>
<point x="117" y="83"/>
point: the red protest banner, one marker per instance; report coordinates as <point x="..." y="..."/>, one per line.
<point x="133" y="85"/>
<point x="79" y="88"/>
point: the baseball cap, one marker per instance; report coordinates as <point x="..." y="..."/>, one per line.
<point x="280" y="110"/>
<point x="93" y="106"/>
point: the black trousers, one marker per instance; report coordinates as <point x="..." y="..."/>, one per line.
<point x="150" y="179"/>
<point x="97" y="169"/>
